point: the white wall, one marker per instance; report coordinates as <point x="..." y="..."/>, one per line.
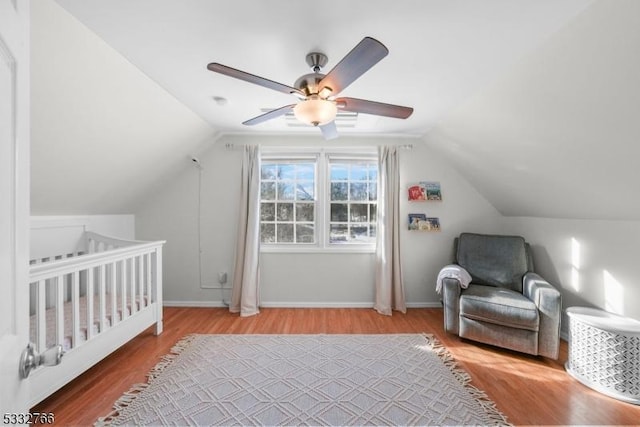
<point x="58" y="235"/>
<point x="301" y="279"/>
<point x="594" y="263"/>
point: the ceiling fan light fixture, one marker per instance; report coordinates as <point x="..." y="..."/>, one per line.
<point x="315" y="111"/>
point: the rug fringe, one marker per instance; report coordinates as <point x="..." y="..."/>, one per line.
<point x="489" y="407"/>
<point x="130" y="396"/>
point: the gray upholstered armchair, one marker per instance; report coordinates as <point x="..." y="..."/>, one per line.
<point x="506" y="304"/>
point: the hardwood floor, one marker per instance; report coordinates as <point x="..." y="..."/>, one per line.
<point x="529" y="390"/>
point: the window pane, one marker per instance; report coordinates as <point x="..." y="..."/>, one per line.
<point x="373" y="172"/>
<point x="304" y="212"/>
<point x="268" y="172"/>
<point x="286" y="171"/>
<point x="267" y="233"/>
<point x="268" y="191"/>
<point x="338" y="233"/>
<point x="285" y="212"/>
<point x="339" y="212"/>
<point x="359" y="212"/>
<point x="268" y="212"/>
<point x="286" y="191"/>
<point x="373" y="191"/>
<point x="372" y="232"/>
<point x="285" y="233"/>
<point x="306" y="171"/>
<point x="358" y="172"/>
<point x="339" y="172"/>
<point x="373" y="213"/>
<point x="339" y="191"/>
<point x="304" y="233"/>
<point x="360" y="233"/>
<point x="358" y="191"/>
<point x="305" y="190"/>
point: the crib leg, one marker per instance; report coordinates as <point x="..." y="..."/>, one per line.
<point x="158" y="327"/>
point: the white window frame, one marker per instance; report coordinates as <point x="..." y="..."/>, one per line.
<point x="322" y="196"/>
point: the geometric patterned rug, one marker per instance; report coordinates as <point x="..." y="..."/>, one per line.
<point x="327" y="380"/>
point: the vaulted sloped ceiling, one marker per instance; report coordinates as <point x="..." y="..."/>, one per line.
<point x="535" y="102"/>
<point x="559" y="134"/>
<point x="102" y="133"/>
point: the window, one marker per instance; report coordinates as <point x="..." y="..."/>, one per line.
<point x="353" y="201"/>
<point x="318" y="200"/>
<point x="287" y="201"/>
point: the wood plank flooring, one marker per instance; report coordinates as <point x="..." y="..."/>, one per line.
<point x="529" y="390"/>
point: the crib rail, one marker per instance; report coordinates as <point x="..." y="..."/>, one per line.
<point x="94" y="242"/>
<point x="80" y="295"/>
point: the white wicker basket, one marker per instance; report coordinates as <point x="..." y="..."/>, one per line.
<point x="604" y="352"/>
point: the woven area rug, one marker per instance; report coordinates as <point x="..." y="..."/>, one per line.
<point x="324" y="380"/>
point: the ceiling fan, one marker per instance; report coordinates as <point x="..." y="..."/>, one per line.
<point x="317" y="92"/>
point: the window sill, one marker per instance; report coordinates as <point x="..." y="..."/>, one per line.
<point x="317" y="250"/>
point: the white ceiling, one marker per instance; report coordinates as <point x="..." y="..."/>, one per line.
<point x="534" y="102"/>
<point x="441" y="51"/>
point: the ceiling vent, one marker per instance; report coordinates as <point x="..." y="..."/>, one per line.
<point x="344" y="119"/>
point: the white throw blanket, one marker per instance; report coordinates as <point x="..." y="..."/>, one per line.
<point x="453" y="271"/>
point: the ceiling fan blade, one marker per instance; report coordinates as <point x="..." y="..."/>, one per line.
<point x="371" y="107"/>
<point x="365" y="55"/>
<point x="251" y="78"/>
<point x="269" y="115"/>
<point x="329" y="130"/>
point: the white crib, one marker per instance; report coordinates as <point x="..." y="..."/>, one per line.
<point x="92" y="302"/>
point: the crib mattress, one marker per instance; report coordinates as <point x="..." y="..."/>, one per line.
<point x="67" y="341"/>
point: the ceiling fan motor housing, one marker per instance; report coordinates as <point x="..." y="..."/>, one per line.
<point x="309" y="83"/>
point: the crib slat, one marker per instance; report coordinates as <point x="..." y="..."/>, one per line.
<point x="123" y="288"/>
<point x="132" y="284"/>
<point x="148" y="265"/>
<point x="114" y="295"/>
<point x="41" y="308"/>
<point x="140" y="282"/>
<point x="60" y="310"/>
<point x="75" y="308"/>
<point x="102" y="308"/>
<point x="89" y="299"/>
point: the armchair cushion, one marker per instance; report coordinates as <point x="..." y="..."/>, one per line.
<point x="500" y="306"/>
<point x="493" y="260"/>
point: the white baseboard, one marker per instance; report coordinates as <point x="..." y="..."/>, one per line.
<point x="166" y="303"/>
<point x="288" y="304"/>
<point x="299" y="304"/>
<point x="429" y="304"/>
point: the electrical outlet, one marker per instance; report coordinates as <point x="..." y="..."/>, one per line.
<point x="222" y="278"/>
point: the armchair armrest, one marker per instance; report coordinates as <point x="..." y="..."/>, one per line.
<point x="451" y="301"/>
<point x="548" y="300"/>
